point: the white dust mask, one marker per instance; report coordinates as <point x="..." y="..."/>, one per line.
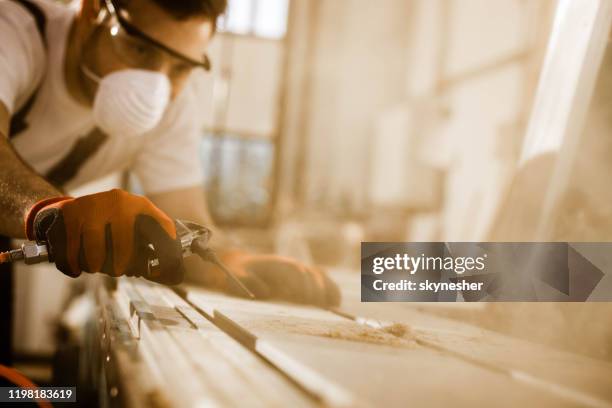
<point x="129" y="102"/>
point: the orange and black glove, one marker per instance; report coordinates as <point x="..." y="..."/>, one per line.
<point x="273" y="277"/>
<point x="113" y="232"/>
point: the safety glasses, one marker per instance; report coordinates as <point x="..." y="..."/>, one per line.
<point x="137" y="49"/>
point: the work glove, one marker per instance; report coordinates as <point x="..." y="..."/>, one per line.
<point x="273" y="276"/>
<point x="113" y="232"/>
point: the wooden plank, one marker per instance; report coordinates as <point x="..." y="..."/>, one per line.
<point x="235" y="373"/>
<point x="576" y="378"/>
<point x="575" y="50"/>
<point x="530" y="205"/>
<point x="573" y="59"/>
<point x="118" y="358"/>
<point x="368" y="366"/>
<point x="164" y="358"/>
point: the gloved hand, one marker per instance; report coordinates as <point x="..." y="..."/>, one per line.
<point x="109" y="232"/>
<point x="273" y="276"/>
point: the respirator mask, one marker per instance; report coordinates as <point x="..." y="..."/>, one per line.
<point x="132" y="101"/>
<point x="129" y="102"/>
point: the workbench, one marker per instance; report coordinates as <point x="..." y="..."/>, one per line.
<point x="150" y="345"/>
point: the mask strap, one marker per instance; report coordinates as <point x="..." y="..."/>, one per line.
<point x="90" y="74"/>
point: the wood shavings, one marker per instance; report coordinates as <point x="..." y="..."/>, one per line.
<point x="397" y="329"/>
<point x="395" y="335"/>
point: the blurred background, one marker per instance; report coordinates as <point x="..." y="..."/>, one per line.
<point x="326" y="123"/>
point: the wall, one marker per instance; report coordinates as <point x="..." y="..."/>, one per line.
<point x="445" y="83"/>
<point x="355" y="58"/>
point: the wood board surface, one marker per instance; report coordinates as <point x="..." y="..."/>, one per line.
<point x="199" y="347"/>
<point x="366" y="366"/>
<point x="191" y="362"/>
<point x="585" y="380"/>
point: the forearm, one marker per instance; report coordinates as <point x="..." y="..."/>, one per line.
<point x="20" y="188"/>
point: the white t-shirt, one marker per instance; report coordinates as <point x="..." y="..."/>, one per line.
<point x="164" y="159"/>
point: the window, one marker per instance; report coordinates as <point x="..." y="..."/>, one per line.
<point x="260" y="18"/>
<point x="237" y="177"/>
<point x="244" y="113"/>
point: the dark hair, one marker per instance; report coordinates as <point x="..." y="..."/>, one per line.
<point x="183" y="9"/>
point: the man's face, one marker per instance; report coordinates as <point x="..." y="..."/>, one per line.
<point x="114" y="51"/>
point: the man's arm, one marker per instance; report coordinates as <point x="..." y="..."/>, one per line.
<point x="267" y="276"/>
<point x="189" y="204"/>
<point x="185" y="204"/>
<point x="20" y="186"/>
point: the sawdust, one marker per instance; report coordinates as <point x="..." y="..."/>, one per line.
<point x="367" y="334"/>
<point x="395" y="335"/>
<point x="397" y="329"/>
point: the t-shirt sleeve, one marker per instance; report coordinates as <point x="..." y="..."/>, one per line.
<point x="170" y="158"/>
<point x="22" y="55"/>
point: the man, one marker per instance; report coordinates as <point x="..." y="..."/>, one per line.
<point x="84" y="94"/>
